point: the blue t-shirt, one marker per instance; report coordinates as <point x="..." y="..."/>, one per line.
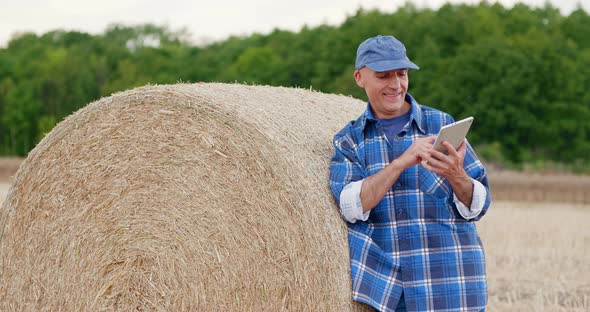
<point x="393" y="126"/>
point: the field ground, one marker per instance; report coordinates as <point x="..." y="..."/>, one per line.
<point x="537" y="256"/>
<point x="537" y="252"/>
<point x="3" y="191"/>
<point x="8" y="167"/>
<point x="535" y="187"/>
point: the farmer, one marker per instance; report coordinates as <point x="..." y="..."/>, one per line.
<point x="409" y="209"/>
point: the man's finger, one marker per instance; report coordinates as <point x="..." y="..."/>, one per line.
<point x="435" y="162"/>
<point x="451" y="149"/>
<point x="463" y="147"/>
<point x="440" y="155"/>
<point x="427" y="164"/>
<point x="423" y="154"/>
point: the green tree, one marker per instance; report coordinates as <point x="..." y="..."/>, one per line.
<point x="258" y="65"/>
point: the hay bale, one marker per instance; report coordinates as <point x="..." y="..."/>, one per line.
<point x="186" y="197"/>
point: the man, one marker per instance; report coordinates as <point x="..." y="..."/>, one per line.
<point x="409" y="208"/>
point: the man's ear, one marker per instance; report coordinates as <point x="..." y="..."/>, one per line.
<point x="358" y="78"/>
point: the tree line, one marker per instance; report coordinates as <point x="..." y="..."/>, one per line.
<point x="523" y="72"/>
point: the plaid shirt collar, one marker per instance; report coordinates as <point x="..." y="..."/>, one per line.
<point x="415" y="116"/>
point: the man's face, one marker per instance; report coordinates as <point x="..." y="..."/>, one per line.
<point x="386" y="90"/>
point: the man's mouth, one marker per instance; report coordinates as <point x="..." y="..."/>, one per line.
<point x="392" y="95"/>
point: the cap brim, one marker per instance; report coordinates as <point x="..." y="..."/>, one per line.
<point x="383" y="66"/>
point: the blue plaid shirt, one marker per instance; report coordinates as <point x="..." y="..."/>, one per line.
<point x="414" y="240"/>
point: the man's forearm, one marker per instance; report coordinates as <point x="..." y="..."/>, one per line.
<point x="463" y="189"/>
<point x="376" y="186"/>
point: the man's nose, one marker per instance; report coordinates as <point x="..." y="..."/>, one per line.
<point x="394" y="82"/>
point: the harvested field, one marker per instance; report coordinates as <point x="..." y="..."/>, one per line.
<point x="536" y="187"/>
<point x="8" y="167"/>
<point x="3" y="192"/>
<point x="537" y="256"/>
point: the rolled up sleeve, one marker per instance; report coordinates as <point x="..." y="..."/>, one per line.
<point x="478" y="201"/>
<point x="482" y="196"/>
<point x="346" y="175"/>
<point x="351" y="207"/>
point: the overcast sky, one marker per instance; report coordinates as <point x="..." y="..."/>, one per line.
<point x="204" y="20"/>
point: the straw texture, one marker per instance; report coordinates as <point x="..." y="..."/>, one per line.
<point x="207" y="196"/>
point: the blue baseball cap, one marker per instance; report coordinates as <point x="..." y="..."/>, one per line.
<point x="383" y="53"/>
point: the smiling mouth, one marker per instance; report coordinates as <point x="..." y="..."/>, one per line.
<point x="392" y="95"/>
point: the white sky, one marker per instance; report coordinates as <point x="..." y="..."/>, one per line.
<point x="204" y="20"/>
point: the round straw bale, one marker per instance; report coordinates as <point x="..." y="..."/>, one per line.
<point x="204" y="197"/>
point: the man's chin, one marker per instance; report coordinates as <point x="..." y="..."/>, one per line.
<point x="396" y="105"/>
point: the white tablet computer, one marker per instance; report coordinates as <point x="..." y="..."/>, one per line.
<point x="453" y="133"/>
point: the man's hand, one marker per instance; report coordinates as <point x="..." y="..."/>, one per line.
<point x="450" y="167"/>
<point x="413" y="155"/>
<point x="376" y="186"/>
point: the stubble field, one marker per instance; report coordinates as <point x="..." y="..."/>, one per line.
<point x="537" y="243"/>
<point x="537" y="256"/>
